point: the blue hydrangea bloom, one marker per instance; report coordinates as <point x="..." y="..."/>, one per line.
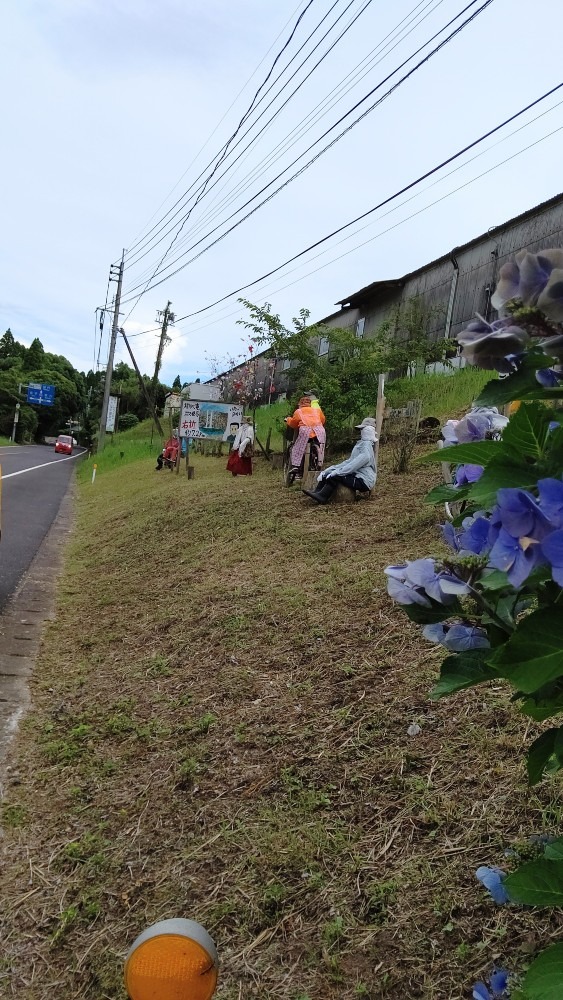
<point x="492" y="879"/>
<point x="466" y="474"/>
<point x="552" y="550"/>
<point x="458" y="637"/>
<point x="520" y="514"/>
<point x="475" y="535"/>
<point x="517" y="557"/>
<point x="498" y="984"/>
<point x="418" y="582"/>
<point x="551" y="500"/>
<point x="548" y="378"/>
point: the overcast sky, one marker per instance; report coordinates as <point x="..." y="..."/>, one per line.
<point x="106" y="103"/>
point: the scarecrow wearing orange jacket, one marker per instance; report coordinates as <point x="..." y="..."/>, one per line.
<point x="308" y="420"/>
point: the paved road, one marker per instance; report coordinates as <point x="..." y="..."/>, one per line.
<point x="34" y="481"/>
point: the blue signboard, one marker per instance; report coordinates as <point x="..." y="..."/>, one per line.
<point x="41" y="394"/>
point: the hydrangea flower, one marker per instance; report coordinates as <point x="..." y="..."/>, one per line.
<point x="552" y="550"/>
<point x="466" y="474"/>
<point x="493" y="345"/>
<point x="521" y="515"/>
<point x="548" y="377"/>
<point x="492" y="879"/>
<point x="551" y="500"/>
<point x="472" y="538"/>
<point x="536" y="279"/>
<point x="418" y="582"/>
<point x="498" y="987"/>
<point x="516" y="557"/>
<point x="457" y="638"/>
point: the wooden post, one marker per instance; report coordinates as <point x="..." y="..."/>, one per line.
<point x="379" y="413"/>
<point x="268" y="442"/>
<point x="309" y="480"/>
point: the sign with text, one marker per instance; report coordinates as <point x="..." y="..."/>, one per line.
<point x="204" y="392"/>
<point x="41" y="394"/>
<point x="211" y="421"/>
<point x="112" y="414"/>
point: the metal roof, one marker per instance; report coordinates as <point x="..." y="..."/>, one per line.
<point x="379" y="286"/>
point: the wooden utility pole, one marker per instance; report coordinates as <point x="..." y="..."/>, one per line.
<point x="143" y="387"/>
<point x="113" y="339"/>
<point x="167" y="317"/>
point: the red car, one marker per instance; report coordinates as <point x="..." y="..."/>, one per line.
<point x="63" y="444"/>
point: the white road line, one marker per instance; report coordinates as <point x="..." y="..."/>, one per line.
<point x="54" y="461"/>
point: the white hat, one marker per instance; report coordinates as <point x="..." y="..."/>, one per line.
<point x="367" y="422"/>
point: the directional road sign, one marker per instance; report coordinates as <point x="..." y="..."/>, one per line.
<point x="41" y="394"/>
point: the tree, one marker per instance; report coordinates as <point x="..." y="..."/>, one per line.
<point x="177" y="384"/>
<point x="35" y="356"/>
<point x="7" y="345"/>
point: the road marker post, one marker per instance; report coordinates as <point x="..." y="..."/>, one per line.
<point x="94" y="472"/>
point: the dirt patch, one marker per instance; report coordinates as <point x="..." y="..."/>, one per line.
<point x="220" y="731"/>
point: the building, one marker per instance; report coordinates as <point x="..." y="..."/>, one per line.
<point x="455" y="287"/>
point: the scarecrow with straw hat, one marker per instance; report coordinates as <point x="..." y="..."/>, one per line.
<point x="240" y="458"/>
<point x="357" y="473"/>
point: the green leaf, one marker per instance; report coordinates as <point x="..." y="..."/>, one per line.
<point x="476" y="453"/>
<point x="447" y="494"/>
<point x="554" y="851"/>
<point x="499" y="392"/>
<point x="545" y="702"/>
<point x="537" y="883"/>
<point x="540" y="754"/>
<point x="528" y="430"/>
<point x="544" y="978"/>
<point x="496" y="579"/>
<point x="503" y="471"/>
<point x="429" y="616"/>
<point x="533" y="656"/>
<point x="463" y="670"/>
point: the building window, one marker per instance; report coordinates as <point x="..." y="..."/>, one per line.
<point x="323" y="346"/>
<point x="286" y="363"/>
<point x="360" y="328"/>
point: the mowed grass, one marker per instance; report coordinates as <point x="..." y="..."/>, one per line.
<point x="220" y="731"/>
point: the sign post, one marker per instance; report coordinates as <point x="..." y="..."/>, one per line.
<point x="111" y="414"/>
<point x="379" y="411"/>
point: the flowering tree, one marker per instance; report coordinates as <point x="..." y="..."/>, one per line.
<point x="494" y="603"/>
<point x="244" y="387"/>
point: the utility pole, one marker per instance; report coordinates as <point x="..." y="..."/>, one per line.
<point x="143" y="387"/>
<point x="167" y="317"/>
<point x="109" y="369"/>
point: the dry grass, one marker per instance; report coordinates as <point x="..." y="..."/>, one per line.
<point x="220" y="731"/>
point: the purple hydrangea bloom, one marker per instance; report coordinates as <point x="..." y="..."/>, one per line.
<point x="516" y="557"/>
<point x="466" y="474"/>
<point x="498" y="984"/>
<point x="551" y="500"/>
<point x="450" y="535"/>
<point x="520" y="514"/>
<point x="475" y="535"/>
<point x="449" y="432"/>
<point x="492" y="345"/>
<point x="457" y="638"/>
<point x="548" y="378"/>
<point x="534" y="278"/>
<point x="418" y="582"/>
<point x="492" y="879"/>
<point x="552" y="550"/>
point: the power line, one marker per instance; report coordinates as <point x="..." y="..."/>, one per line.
<point x="244" y="117"/>
<point x="167" y="228"/>
<point x="219" y="123"/>
<point x="375" y="208"/>
<point x="320" y="111"/>
<point x="303" y="168"/>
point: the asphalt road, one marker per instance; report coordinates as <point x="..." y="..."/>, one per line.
<point x="34" y="481"/>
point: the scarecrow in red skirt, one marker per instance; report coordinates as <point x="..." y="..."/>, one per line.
<point x="240" y="459"/>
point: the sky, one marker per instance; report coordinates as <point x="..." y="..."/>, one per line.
<point x="112" y="109"/>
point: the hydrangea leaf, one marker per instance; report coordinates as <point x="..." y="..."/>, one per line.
<point x="475" y="453"/>
<point x="499" y="392"/>
<point x="463" y="671"/>
<point x="545" y="975"/>
<point x="503" y="471"/>
<point x="532" y="656"/>
<point x="554" y="851"/>
<point x="446" y="494"/>
<point x="428" y="616"/>
<point x="540" y="754"/>
<point x="537" y="883"/>
<point x="528" y="430"/>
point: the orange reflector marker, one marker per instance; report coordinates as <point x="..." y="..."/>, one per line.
<point x="172" y="960"/>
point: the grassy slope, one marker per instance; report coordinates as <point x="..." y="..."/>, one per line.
<point x="220" y="731"/>
<point x="5" y="441"/>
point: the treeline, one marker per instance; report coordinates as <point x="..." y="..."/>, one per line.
<point x="78" y="395"/>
